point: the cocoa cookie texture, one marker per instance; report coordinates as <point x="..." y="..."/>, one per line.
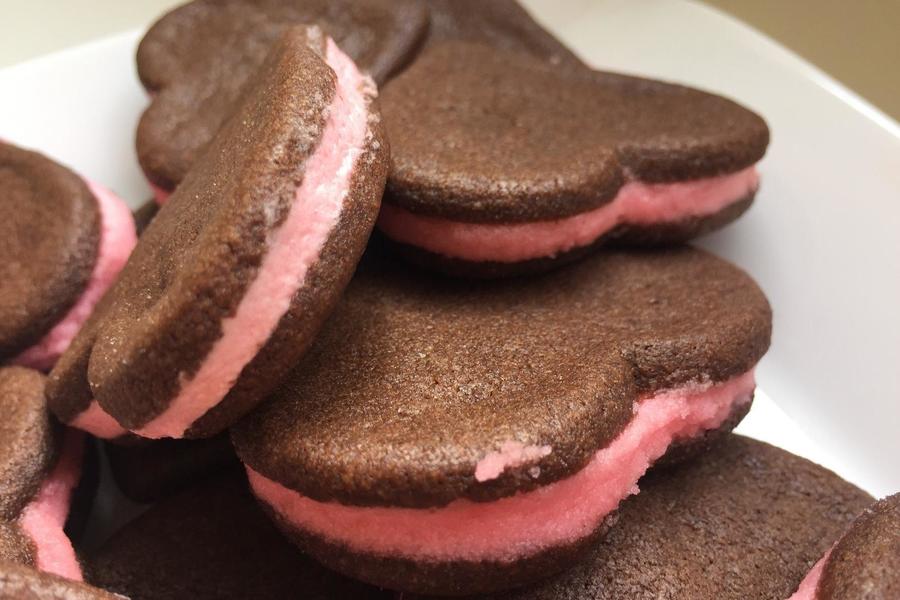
<point x="24" y="583"/>
<point x="213" y="541"/>
<point x="198" y="59"/>
<point x="49" y="239"/>
<point x="196" y="260"/>
<point x="865" y="562"/>
<point x="745" y="521"/>
<point x="416" y="377"/>
<point x="484" y="136"/>
<point x="29" y="443"/>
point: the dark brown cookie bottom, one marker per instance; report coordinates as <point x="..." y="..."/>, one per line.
<point x="463" y="578"/>
<point x="643" y="236"/>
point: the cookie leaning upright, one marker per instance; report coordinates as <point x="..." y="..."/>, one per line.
<point x="515" y="157"/>
<point x="64" y="239"/>
<point x="196" y="62"/>
<point x="232" y="279"/>
<point x="449" y="436"/>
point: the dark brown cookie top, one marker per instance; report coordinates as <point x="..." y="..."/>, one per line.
<point x="865" y="563"/>
<point x="213" y="541"/>
<point x="49" y="237"/>
<point x="198" y="58"/>
<point x="15" y="546"/>
<point x="415" y="378"/>
<point x="487" y="136"/>
<point x="197" y="258"/>
<point x="19" y="582"/>
<point x="746" y="520"/>
<point x="501" y="24"/>
<point x="28" y="444"/>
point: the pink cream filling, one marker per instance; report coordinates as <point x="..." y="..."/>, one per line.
<point x="521" y="525"/>
<point x="45" y="516"/>
<point x="159" y="194"/>
<point x="117" y="240"/>
<point x="807" y="589"/>
<point x="98" y="422"/>
<point x="293" y="249"/>
<point x="637" y="203"/>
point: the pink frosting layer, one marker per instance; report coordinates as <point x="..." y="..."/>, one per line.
<point x="807" y="589"/>
<point x="160" y="195"/>
<point x="294" y="248"/>
<point x="637" y="203"/>
<point x="521" y="525"/>
<point x="98" y="422"/>
<point x="45" y="516"/>
<point x="117" y="240"/>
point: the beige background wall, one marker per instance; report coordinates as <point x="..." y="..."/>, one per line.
<point x="856" y="41"/>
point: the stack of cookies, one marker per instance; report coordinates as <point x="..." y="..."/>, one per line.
<point x="411" y="315"/>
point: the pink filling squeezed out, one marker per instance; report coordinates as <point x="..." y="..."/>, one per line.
<point x="637" y="203"/>
<point x="807" y="589"/>
<point x="117" y="240"/>
<point x="293" y="249"/>
<point x="521" y="525"/>
<point x="45" y="516"/>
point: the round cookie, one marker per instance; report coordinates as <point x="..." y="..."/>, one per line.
<point x="147" y="471"/>
<point x="40" y="466"/>
<point x="502" y="163"/>
<point x="232" y="279"/>
<point x="196" y="62"/>
<point x="741" y="523"/>
<point x="144" y="215"/>
<point x="448" y="436"/>
<point x="23" y="583"/>
<point x="212" y="541"/>
<point x="64" y="241"/>
<point x="864" y="562"/>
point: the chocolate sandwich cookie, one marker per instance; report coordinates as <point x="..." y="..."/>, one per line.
<point x="865" y="561"/>
<point x="446" y="436"/>
<point x="147" y="470"/>
<point x="232" y="279"/>
<point x="502" y="163"/>
<point x="40" y="466"/>
<point x="64" y="239"/>
<point x="23" y="583"/>
<point x="741" y="523"/>
<point x="213" y="541"/>
<point x="197" y="60"/>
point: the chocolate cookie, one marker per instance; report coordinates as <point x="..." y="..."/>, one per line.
<point x="232" y="279"/>
<point x="148" y="470"/>
<point x="64" y="241"/>
<point x="40" y="466"/>
<point x="144" y="215"/>
<point x="501" y="24"/>
<point x="23" y="583"/>
<point x="456" y="437"/>
<point x="741" y="523"/>
<point x="197" y="61"/>
<point x="864" y="563"/>
<point x="503" y="163"/>
<point x="213" y="542"/>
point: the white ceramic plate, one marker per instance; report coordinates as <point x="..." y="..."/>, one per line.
<point x="823" y="238"/>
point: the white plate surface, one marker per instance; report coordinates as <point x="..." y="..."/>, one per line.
<point x="823" y="238"/>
